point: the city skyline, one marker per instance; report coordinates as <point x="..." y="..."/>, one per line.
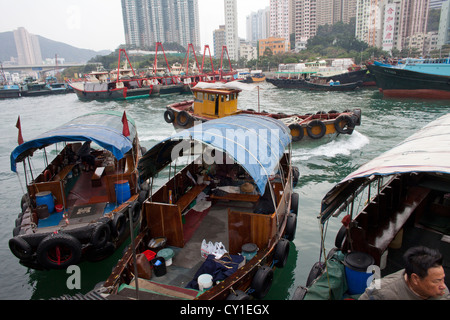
<point x="71" y="21"/>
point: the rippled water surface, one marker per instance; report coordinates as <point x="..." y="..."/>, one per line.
<point x="385" y="123"/>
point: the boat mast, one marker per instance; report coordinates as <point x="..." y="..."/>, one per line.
<point x="187" y="57"/>
<point x="156" y="57"/>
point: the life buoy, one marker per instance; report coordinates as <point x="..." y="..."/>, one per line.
<point x="297" y="132"/>
<point x="183" y="118"/>
<point x="169" y="116"/>
<point x="58" y="251"/>
<point x="281" y="253"/>
<point x="344" y="124"/>
<point x="262" y="281"/>
<point x="135" y="209"/>
<point x="100" y="235"/>
<point x="291" y="226"/>
<point x="20" y="248"/>
<point x="313" y="124"/>
<point x="119" y="224"/>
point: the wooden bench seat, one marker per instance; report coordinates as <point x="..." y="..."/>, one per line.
<point x="237" y="197"/>
<point x="190" y="196"/>
<point x="96" y="178"/>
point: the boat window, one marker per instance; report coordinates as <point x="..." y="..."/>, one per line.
<point x="199" y="95"/>
<point x="211" y="97"/>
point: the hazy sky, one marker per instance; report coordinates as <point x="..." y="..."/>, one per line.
<point x="98" y="24"/>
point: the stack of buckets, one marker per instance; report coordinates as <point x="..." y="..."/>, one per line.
<point x="356" y="265"/>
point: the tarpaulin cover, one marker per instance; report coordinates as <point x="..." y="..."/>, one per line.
<point x="428" y="150"/>
<point x="103" y="128"/>
<point x="257" y="143"/>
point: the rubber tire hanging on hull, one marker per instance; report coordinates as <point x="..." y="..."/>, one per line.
<point x="183" y="118"/>
<point x="101" y="235"/>
<point x="291" y="226"/>
<point x="169" y="116"/>
<point x="58" y="251"/>
<point x="348" y="127"/>
<point x="281" y="253"/>
<point x="312" y="125"/>
<point x="262" y="281"/>
<point x="20" y="248"/>
<point x="296" y="128"/>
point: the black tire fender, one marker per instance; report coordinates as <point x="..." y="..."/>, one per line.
<point x="183" y="118"/>
<point x="313" y="124"/>
<point x="135" y="209"/>
<point x="295" y="127"/>
<point x="294" y="203"/>
<point x="119" y="224"/>
<point x="100" y="235"/>
<point x="169" y="116"/>
<point x="262" y="281"/>
<point x="348" y="127"/>
<point x="58" y="251"/>
<point x="281" y="253"/>
<point x="291" y="226"/>
<point x="20" y="248"/>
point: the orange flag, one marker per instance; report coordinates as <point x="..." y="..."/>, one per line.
<point x="18" y="126"/>
<point x="126" y="129"/>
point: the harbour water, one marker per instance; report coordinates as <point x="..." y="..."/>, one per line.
<point x="385" y="123"/>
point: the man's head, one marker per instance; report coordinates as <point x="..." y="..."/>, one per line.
<point x="423" y="267"/>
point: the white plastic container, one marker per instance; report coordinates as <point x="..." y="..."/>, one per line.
<point x="204" y="281"/>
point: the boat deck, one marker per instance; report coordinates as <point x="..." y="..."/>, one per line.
<point x="211" y="225"/>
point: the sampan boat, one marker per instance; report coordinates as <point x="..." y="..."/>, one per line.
<point x="242" y="188"/>
<point x="399" y="200"/>
<point x="217" y="100"/>
<point x="77" y="207"/>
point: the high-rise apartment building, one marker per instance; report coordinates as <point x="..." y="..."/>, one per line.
<point x="444" y="24"/>
<point x="389" y="23"/>
<point x="219" y="41"/>
<point x="28" y="48"/>
<point x="231" y="28"/>
<point x="281" y="16"/>
<point x="258" y="25"/>
<point x="149" y="21"/>
<point x="310" y="14"/>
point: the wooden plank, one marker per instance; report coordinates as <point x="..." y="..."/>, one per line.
<point x="237" y="197"/>
<point x="165" y="221"/>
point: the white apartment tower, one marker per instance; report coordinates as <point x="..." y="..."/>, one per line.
<point x="258" y="25"/>
<point x="149" y="21"/>
<point x="231" y="29"/>
<point x="280" y="19"/>
<point x="28" y="48"/>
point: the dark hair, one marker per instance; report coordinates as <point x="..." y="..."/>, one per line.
<point x="419" y="259"/>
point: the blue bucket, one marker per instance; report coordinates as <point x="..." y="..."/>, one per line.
<point x="356" y="264"/>
<point x="123" y="192"/>
<point x="45" y="197"/>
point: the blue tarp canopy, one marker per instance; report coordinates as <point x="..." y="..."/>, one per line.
<point x="103" y="128"/>
<point x="257" y="143"/>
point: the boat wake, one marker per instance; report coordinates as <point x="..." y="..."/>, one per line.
<point x="344" y="145"/>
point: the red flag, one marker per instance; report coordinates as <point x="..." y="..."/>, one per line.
<point x="18" y="126"/>
<point x="126" y="130"/>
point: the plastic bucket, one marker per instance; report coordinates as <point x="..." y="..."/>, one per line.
<point x="167" y="254"/>
<point x="356" y="264"/>
<point x="249" y="250"/>
<point x="59" y="208"/>
<point x="159" y="266"/>
<point x="123" y="192"/>
<point x="204" y="281"/>
<point x="45" y="197"/>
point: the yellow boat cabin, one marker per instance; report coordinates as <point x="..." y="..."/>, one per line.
<point x="215" y="103"/>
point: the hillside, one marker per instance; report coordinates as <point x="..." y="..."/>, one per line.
<point x="48" y="49"/>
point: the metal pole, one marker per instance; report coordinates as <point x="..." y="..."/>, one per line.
<point x="130" y="214"/>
